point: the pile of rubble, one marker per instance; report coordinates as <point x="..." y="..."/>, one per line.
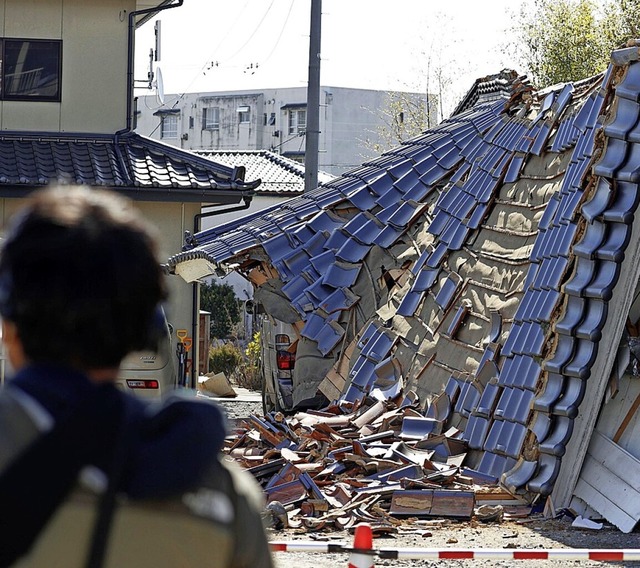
<point x="380" y="462"/>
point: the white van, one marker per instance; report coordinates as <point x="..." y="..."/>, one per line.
<point x="148" y="374"/>
<point x="278" y="359"/>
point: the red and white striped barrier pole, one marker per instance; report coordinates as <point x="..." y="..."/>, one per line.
<point x="602" y="555"/>
<point x="308" y="546"/>
<point x="509" y="554"/>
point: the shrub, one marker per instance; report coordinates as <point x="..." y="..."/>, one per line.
<point x="248" y="373"/>
<point x="224" y="358"/>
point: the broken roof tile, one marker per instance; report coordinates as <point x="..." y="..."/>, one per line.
<point x="623" y="205"/>
<point x="625" y="116"/>
<point x="629" y="85"/>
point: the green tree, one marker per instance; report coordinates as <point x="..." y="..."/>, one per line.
<point x="621" y="21"/>
<point x="221" y="301"/>
<point x="569" y="40"/>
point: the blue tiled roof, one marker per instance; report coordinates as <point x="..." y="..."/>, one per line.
<point x="129" y="162"/>
<point x="481" y="256"/>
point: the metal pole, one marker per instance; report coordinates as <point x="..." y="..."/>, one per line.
<point x="313" y="100"/>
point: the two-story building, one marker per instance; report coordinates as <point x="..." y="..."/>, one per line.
<point x="352" y="121"/>
<point x="66" y="115"/>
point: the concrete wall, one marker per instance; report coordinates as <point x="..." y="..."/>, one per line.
<point x="94" y="63"/>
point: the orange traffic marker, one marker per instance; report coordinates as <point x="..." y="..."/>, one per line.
<point x="362" y="554"/>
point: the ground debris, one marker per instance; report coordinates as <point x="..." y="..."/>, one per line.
<point x="335" y="468"/>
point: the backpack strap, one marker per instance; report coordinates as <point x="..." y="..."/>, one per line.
<point x="108" y="500"/>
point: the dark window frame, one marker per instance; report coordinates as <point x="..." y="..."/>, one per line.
<point x="57" y="97"/>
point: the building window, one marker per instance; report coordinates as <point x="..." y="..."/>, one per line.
<point x="31" y="69"/>
<point x="211" y="118"/>
<point x="244" y="114"/>
<point x="297" y="121"/>
<point x="169" y="126"/>
<point x="295" y="156"/>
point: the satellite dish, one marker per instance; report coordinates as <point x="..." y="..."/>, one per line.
<point x="159" y="85"/>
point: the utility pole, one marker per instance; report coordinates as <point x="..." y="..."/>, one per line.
<point x="313" y="100"/>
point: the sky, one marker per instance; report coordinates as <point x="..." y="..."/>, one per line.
<point x="219" y="45"/>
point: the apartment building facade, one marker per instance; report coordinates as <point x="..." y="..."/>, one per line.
<point x="351" y="121"/>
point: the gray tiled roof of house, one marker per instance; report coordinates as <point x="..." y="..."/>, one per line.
<point x="128" y="163"/>
<point x="279" y="175"/>
<point x="481" y="258"/>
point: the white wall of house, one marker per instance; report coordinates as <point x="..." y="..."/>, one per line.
<point x="274" y="121"/>
<point x="172" y="220"/>
<point x="258" y="203"/>
<point x="94" y="55"/>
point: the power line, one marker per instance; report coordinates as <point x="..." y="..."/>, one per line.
<point x="222" y="40"/>
<point x="253" y="33"/>
<point x="284" y="25"/>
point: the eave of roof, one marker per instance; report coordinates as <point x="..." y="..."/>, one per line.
<point x="144" y="5"/>
<point x="293" y="106"/>
<point x="141" y="167"/>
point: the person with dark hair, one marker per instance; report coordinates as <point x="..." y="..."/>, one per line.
<point x="89" y="475"/>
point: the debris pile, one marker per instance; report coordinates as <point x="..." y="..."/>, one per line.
<point x="383" y="462"/>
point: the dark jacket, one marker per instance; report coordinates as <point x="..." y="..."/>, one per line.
<point x="55" y="425"/>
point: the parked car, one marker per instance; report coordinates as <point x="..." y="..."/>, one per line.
<point x="149" y="374"/>
<point x="278" y="360"/>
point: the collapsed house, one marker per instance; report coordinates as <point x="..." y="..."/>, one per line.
<point x="486" y="270"/>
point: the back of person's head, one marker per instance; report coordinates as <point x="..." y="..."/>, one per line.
<point x="80" y="278"/>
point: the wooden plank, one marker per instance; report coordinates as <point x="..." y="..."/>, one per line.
<point x="410" y="502"/>
<point x="608" y="482"/>
<point x="597" y="501"/>
<point x="437" y="503"/>
<point x="333" y="384"/>
<point x="329" y="389"/>
<point x="447" y="503"/>
<point x="615" y="408"/>
<point x="616" y="459"/>
<point x="615" y="489"/>
<point x="257" y="277"/>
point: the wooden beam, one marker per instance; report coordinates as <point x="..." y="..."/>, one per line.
<point x="628" y="417"/>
